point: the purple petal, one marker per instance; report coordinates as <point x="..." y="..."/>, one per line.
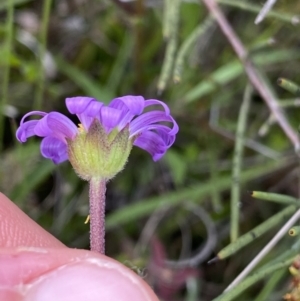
<point x="164" y="132"/>
<point x="76" y="105"/>
<point x="91" y="112"/>
<point x="153" y="102"/>
<point x="93" y="109"/>
<point x="152" y="143"/>
<point x="54" y="149"/>
<point x="85" y="120"/>
<point x="145" y="121"/>
<point x="130" y="107"/>
<point x="26" y="130"/>
<point x="109" y="117"/>
<point x="42" y="129"/>
<point x="167" y="138"/>
<point x="134" y="104"/>
<point x="86" y="109"/>
<point x="57" y="125"/>
<point x="40" y="113"/>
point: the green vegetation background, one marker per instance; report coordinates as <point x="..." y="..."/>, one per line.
<point x="50" y="50"/>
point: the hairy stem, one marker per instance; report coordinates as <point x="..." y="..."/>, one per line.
<point x="97" y="214"/>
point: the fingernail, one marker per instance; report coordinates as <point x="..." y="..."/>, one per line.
<point x="89" y="280"/>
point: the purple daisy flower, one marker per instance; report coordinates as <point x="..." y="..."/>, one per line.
<point x="153" y="131"/>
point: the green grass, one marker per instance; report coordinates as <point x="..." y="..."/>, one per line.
<point x="105" y="50"/>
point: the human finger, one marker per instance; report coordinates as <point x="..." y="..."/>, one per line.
<point x="18" y="229"/>
<point x="58" y="274"/>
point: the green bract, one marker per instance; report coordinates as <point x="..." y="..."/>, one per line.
<point x="96" y="154"/>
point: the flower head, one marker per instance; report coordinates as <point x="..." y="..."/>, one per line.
<point x="100" y="145"/>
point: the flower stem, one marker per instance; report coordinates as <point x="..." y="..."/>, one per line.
<point x="97" y="214"/>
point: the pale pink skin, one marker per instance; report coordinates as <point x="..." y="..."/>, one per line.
<point x="35" y="266"/>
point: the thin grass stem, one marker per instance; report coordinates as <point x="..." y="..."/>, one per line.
<point x="237" y="163"/>
<point x="270" y="285"/>
<point x="256" y="232"/>
<point x="243" y="5"/>
<point x="193" y="193"/>
<point x="41" y="55"/>
<point x="253" y="73"/>
<point x="187" y="45"/>
<point x="289" y="86"/>
<point x="262" y="273"/>
<point x="6" y="73"/>
<point x="264" y="251"/>
<point x="274" y="197"/>
<point x="173" y="19"/>
<point x="167" y="19"/>
<point x="215" y="194"/>
<point x="265" y="10"/>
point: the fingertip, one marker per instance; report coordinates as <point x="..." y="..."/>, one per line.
<point x="10" y="295"/>
<point x="89" y="280"/>
<point x="18" y="229"/>
<point x="69" y="274"/>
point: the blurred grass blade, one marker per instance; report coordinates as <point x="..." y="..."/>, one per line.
<point x="249" y="6"/>
<point x="237" y="163"/>
<point x="256" y="232"/>
<point x="192" y="289"/>
<point x="255" y="277"/>
<point x="3" y="4"/>
<point x="187" y="45"/>
<point x="167" y="66"/>
<point x="173" y="19"/>
<point x="265" y="10"/>
<point x="285" y="254"/>
<point x="214" y="177"/>
<point x="274" y="197"/>
<point x="167" y="19"/>
<point x="83" y="81"/>
<point x="196" y="193"/>
<point x="234" y="69"/>
<point x="119" y="67"/>
<point x="8" y="48"/>
<point x="36" y="175"/>
<point x="270" y="285"/>
<point x="41" y="55"/>
<point x="177" y="166"/>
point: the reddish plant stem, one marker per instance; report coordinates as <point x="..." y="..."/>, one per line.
<point x="97" y="215"/>
<point x="252" y="72"/>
